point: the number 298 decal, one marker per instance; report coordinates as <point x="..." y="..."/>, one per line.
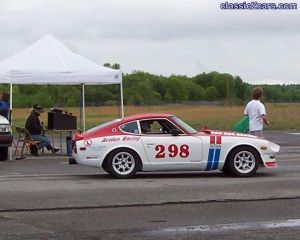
<point x="172" y="151"/>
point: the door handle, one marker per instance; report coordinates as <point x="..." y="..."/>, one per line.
<point x="150" y="143"/>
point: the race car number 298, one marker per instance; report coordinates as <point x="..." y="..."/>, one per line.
<point x="162" y="142"/>
<point x="172" y="151"/>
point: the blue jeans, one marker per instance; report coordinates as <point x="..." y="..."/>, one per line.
<point x="44" y="141"/>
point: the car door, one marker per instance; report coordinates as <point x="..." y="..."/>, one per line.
<point x="163" y="147"/>
<point x="172" y="149"/>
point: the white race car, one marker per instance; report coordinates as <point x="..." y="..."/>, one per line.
<point x="6" y="138"/>
<point x="162" y="142"/>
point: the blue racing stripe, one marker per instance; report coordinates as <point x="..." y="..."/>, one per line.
<point x="211" y="154"/>
<point x="216" y="159"/>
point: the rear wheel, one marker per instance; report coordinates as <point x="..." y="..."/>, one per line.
<point x="243" y="161"/>
<point x="105" y="168"/>
<point x="123" y="163"/>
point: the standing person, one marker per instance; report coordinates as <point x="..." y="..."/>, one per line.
<point x="34" y="127"/>
<point x="4" y="105"/>
<point x="257" y="113"/>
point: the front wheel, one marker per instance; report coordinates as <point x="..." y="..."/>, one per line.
<point x="243" y="161"/>
<point x="122" y="163"/>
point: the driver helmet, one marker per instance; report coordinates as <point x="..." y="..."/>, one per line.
<point x="145" y="126"/>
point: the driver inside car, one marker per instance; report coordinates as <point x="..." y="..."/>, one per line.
<point x="146" y="126"/>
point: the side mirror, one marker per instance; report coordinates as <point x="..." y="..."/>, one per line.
<point x="175" y="132"/>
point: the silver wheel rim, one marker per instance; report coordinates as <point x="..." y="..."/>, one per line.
<point x="244" y="162"/>
<point x="123" y="163"/>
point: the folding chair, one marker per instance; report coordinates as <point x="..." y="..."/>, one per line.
<point x="26" y="140"/>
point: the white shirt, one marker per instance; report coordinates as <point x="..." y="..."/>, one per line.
<point x="255" y="109"/>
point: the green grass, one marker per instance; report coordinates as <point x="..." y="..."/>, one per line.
<point x="282" y="116"/>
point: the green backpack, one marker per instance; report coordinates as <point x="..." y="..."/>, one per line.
<point x="242" y="125"/>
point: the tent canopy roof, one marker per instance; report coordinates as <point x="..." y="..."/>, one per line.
<point x="48" y="61"/>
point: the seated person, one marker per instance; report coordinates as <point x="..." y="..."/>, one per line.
<point x="35" y="128"/>
<point x="4" y="105"/>
<point x="146" y="126"/>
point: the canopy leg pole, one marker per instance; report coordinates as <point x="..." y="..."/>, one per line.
<point x="10" y="117"/>
<point x="83" y="108"/>
<point x="122" y="102"/>
<point x="10" y="101"/>
<point x="80" y="109"/>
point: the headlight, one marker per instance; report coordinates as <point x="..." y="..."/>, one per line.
<point x="4" y="128"/>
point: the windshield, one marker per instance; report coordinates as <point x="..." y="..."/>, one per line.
<point x="103" y="125"/>
<point x="183" y="125"/>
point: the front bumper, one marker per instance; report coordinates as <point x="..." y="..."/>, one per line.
<point x="269" y="158"/>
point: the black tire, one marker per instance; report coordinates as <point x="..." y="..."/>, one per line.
<point x="105" y="168"/>
<point x="243" y="162"/>
<point x="3" y="153"/>
<point x="226" y="169"/>
<point x="123" y="163"/>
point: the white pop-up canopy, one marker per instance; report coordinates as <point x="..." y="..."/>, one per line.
<point x="48" y="61"/>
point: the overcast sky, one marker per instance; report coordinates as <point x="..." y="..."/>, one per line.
<point x="165" y="37"/>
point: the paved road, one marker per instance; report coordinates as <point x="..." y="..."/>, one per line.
<point x="46" y="198"/>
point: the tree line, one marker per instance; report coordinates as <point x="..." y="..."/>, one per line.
<point x="142" y="88"/>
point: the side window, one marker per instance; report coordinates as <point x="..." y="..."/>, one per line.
<point x="146" y="126"/>
<point x="131" y="127"/>
<point x="157" y="126"/>
<point x="167" y="127"/>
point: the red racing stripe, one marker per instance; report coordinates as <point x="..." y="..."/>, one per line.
<point x="219" y="139"/>
<point x="212" y="139"/>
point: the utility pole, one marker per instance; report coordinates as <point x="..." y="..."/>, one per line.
<point x="228" y="93"/>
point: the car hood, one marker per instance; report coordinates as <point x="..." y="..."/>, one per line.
<point x="207" y="132"/>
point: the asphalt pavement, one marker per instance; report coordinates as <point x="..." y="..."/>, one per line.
<point x="46" y="198"/>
